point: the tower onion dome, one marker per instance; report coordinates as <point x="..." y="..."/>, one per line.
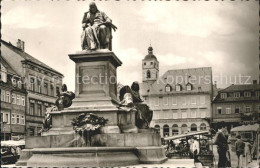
<point x="150" y="54"/>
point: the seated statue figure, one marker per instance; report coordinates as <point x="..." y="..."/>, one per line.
<point x="96" y="30"/>
<point x="130" y="97"/>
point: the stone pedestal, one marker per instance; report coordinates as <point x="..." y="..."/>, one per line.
<point x="96" y="79"/>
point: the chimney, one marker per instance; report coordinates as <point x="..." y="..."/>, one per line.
<point x="20" y="44"/>
<point x="254" y="82"/>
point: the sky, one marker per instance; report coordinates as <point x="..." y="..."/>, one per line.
<point x="223" y="35"/>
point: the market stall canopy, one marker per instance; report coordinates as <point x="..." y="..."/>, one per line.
<point x="12" y="143"/>
<point x="186" y="135"/>
<point x="254" y="127"/>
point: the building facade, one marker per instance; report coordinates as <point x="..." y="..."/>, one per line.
<point x="237" y="105"/>
<point x="40" y="80"/>
<point x="13" y="101"/>
<point x="180" y="99"/>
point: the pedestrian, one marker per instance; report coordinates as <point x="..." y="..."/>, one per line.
<point x="191" y="148"/>
<point x="239" y="146"/>
<point x="248" y="147"/>
<point x="221" y="140"/>
<point x="195" y="149"/>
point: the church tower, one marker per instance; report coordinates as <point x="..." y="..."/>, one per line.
<point x="150" y="67"/>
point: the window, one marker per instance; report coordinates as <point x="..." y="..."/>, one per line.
<point x="193" y="127"/>
<point x="247" y="94"/>
<point x="157" y="128"/>
<point x="7" y="97"/>
<point x="257" y="93"/>
<point x="39" y="86"/>
<point x="5" y="118"/>
<point x="237" y="94"/>
<point x="13" y="98"/>
<point x="148" y="74"/>
<point x="184" y="128"/>
<point x="32" y="83"/>
<point x="22" y="120"/>
<point x="52" y="90"/>
<point x="203" y="127"/>
<point x="45" y="88"/>
<point x="223" y="95"/>
<point x="156" y="101"/>
<point x="18" y="99"/>
<point x="174" y="100"/>
<point x="168" y="88"/>
<point x="184" y="114"/>
<point x="193" y="113"/>
<point x="203" y="114"/>
<point x="165" y="100"/>
<point x="22" y="101"/>
<point x="2" y="95"/>
<point x="178" y="88"/>
<point x="228" y="110"/>
<point x="202" y="99"/>
<point x="237" y="110"/>
<point x="193" y="100"/>
<point x="151" y="63"/>
<point x="248" y="108"/>
<point x="183" y="100"/>
<point x="175" y="115"/>
<point x="156" y="115"/>
<point x="39" y="110"/>
<point x="145" y="63"/>
<point x="17" y="119"/>
<point x="175" y="130"/>
<point x="166" y="130"/>
<point x="219" y="109"/>
<point x="13" y="119"/>
<point x="188" y="87"/>
<point x="31" y="108"/>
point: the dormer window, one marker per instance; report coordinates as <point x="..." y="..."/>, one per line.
<point x="223" y="95"/>
<point x="145" y="63"/>
<point x="247" y="94"/>
<point x="151" y="63"/>
<point x="237" y="94"/>
<point x="168" y="88"/>
<point x="178" y="88"/>
<point x="148" y="74"/>
<point x="188" y="87"/>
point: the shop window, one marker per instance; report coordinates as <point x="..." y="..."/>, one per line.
<point x="184" y="128"/>
<point x="166" y="130"/>
<point x="203" y="127"/>
<point x="157" y="128"/>
<point x="175" y="130"/>
<point x="193" y="127"/>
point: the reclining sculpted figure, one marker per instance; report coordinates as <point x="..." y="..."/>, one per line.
<point x="64" y="100"/>
<point x="130" y="97"/>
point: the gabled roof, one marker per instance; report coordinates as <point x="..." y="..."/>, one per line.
<point x="233" y="88"/>
<point x="28" y="57"/>
<point x="238" y="88"/>
<point x="10" y="70"/>
<point x="181" y="77"/>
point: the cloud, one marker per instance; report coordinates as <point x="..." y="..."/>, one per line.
<point x="21" y="17"/>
